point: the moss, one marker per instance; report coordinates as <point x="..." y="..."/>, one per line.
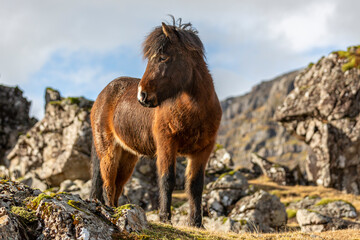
<point x="310" y="65"/>
<point x="36" y="201"/>
<point x="27" y="215"/>
<point x="218" y="146"/>
<point x="291" y="213"/>
<point x="58" y="102"/>
<point x="76" y="204"/>
<point x="224" y="220"/>
<point x="51" y="89"/>
<point x="314" y="196"/>
<point x="119" y="210"/>
<point x="326" y="201"/>
<point x="242" y="222"/>
<point x="352" y="55"/>
<point x="28" y="135"/>
<point x="73" y="100"/>
<point x="231" y="173"/>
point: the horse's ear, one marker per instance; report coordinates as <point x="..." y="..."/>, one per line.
<point x="167" y="31"/>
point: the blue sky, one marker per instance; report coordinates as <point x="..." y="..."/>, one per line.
<point x="79" y="46"/>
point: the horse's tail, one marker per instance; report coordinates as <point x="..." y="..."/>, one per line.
<point x="97" y="182"/>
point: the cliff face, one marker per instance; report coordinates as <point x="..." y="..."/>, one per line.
<point x="14" y="118"/>
<point x="324" y="110"/>
<point x="248" y="125"/>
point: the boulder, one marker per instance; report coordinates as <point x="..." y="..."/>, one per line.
<point x="312" y="221"/>
<point x="57" y="147"/>
<point x="14" y="119"/>
<point x="261" y="211"/>
<point x="224" y="192"/>
<point x="324" y="111"/>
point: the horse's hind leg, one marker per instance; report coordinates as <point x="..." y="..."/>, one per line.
<point x="126" y="165"/>
<point x="108" y="168"/>
<point x="195" y="171"/>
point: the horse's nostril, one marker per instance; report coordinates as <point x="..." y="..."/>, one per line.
<point x="143" y="96"/>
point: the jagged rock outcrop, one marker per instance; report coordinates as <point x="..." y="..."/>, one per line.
<point x="248" y="125"/>
<point x="277" y="172"/>
<point x="324" y="111"/>
<point x="57" y="147"/>
<point x="30" y="214"/>
<point x="14" y="118"/>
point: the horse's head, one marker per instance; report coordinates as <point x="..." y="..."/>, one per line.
<point x="172" y="53"/>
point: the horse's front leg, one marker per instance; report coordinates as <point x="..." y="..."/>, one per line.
<point x="166" y="166"/>
<point x="195" y="172"/>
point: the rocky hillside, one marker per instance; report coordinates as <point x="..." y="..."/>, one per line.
<point x="324" y="111"/>
<point x="248" y="125"/>
<point x="14" y="118"/>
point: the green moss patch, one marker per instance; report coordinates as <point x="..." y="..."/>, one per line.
<point x="326" y="201"/>
<point x="76" y="205"/>
<point x="27" y="215"/>
<point x="34" y="203"/>
<point x="291" y="213"/>
<point x="352" y="55"/>
<point x="231" y="173"/>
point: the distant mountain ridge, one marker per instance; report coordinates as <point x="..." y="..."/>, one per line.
<point x="248" y="125"/>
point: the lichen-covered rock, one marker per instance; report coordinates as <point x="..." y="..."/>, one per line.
<point x="335" y="208"/>
<point x="131" y="218"/>
<point x="312" y="221"/>
<point x="58" y="146"/>
<point x="224" y="192"/>
<point x="324" y="111"/>
<point x="261" y="210"/>
<point x="63" y="215"/>
<point x="14" y="118"/>
<point x="10" y="227"/>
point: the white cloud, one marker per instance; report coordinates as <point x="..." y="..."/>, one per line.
<point x="246" y="41"/>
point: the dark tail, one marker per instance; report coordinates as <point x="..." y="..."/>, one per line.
<point x="97" y="182"/>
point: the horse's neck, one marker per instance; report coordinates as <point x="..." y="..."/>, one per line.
<point x="202" y="88"/>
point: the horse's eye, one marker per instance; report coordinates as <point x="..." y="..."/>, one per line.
<point x="163" y="58"/>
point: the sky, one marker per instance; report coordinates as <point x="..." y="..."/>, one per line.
<point x="79" y="46"/>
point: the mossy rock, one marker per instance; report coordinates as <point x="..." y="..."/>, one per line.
<point x="352" y="55"/>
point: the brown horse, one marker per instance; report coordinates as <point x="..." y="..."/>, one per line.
<point x="179" y="114"/>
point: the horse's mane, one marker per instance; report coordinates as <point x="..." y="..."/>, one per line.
<point x="156" y="41"/>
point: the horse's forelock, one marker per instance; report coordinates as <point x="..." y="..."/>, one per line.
<point x="156" y="41"/>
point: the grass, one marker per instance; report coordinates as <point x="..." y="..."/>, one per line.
<point x="167" y="232"/>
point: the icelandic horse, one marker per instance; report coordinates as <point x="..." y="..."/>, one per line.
<point x="173" y="110"/>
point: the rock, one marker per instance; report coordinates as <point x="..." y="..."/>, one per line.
<point x="324" y="111"/>
<point x="10" y="227"/>
<point x="31" y="180"/>
<point x="263" y="211"/>
<point x="248" y="126"/>
<point x="62" y="216"/>
<point x="4" y="172"/>
<point x="278" y="173"/>
<point x="306" y="203"/>
<point x="312" y="221"/>
<point x="57" y="147"/>
<point x="224" y="224"/>
<point x="335" y="209"/>
<point x="224" y="192"/>
<point x="14" y="119"/>
<point x="132" y="218"/>
<point x="219" y="161"/>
